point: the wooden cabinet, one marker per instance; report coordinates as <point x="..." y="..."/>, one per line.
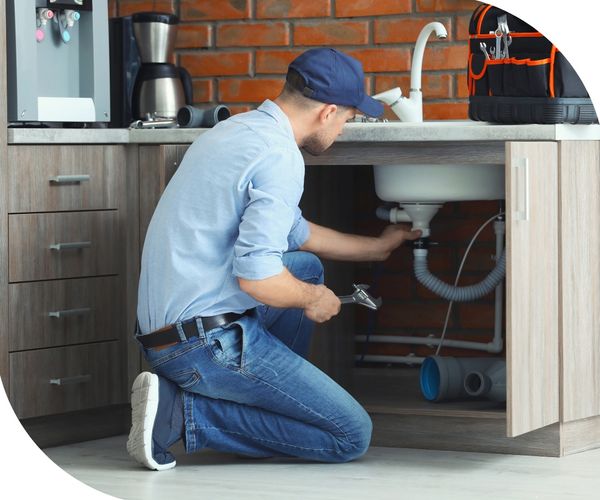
<point x="553" y="306"/>
<point x="72" y="252"/>
<point x="45" y="246"/>
<point x="532" y="286"/>
<point x="66" y="298"/>
<point x="3" y="209"/>
<point x="52" y="179"/>
<point x="64" y="379"/>
<point x="157" y="164"/>
<point x="64" y="312"/>
<point x="579" y="272"/>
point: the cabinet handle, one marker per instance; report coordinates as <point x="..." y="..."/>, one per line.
<point x="70" y="246"/>
<point x="69" y="179"/>
<point x="522" y="189"/>
<point x="70" y="312"/>
<point x="77" y="379"/>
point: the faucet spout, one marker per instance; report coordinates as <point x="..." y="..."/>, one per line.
<point x="417" y="64"/>
<point x="410" y="109"/>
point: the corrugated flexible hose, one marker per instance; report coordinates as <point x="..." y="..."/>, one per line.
<point x="458" y="293"/>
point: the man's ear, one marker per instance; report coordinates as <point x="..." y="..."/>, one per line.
<point x="327" y="112"/>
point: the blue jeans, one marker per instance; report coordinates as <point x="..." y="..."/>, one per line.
<point x="248" y="389"/>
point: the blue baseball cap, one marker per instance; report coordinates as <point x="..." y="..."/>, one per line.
<point x="332" y="77"/>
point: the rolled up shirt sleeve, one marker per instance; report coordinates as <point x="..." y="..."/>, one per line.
<point x="271" y="213"/>
<point x="300" y="231"/>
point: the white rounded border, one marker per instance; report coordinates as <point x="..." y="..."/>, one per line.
<point x="28" y="473"/>
<point x="572" y="26"/>
<point x="26" y="470"/>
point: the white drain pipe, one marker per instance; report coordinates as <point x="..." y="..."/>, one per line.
<point x="376" y="358"/>
<point x="495" y="346"/>
<point x="497" y="342"/>
<point x="429" y="341"/>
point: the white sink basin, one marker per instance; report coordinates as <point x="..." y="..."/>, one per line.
<point x="434" y="183"/>
<point x="439" y="183"/>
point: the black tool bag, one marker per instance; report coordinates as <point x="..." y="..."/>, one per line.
<point x="533" y="83"/>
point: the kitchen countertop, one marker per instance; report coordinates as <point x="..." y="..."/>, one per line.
<point x="374" y="132"/>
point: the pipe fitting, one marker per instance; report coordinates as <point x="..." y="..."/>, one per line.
<point x="489" y="383"/>
<point x="421" y="243"/>
<point x="445" y="378"/>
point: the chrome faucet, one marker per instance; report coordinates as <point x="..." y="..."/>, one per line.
<point x="410" y="109"/>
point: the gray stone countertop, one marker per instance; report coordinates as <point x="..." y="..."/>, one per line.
<point x="431" y="131"/>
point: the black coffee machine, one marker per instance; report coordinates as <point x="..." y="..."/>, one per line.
<point x="144" y="84"/>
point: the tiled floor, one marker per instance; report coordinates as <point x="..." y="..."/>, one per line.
<point x="384" y="473"/>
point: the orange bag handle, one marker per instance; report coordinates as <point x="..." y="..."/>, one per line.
<point x="532" y="34"/>
<point x="481" y="16"/>
<point x="551" y="76"/>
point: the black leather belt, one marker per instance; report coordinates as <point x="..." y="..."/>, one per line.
<point x="170" y="334"/>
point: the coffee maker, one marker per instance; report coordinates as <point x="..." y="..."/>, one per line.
<point x="145" y="85"/>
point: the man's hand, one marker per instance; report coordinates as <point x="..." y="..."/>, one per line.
<point x="392" y="237"/>
<point x="323" y="306"/>
<point x="284" y="290"/>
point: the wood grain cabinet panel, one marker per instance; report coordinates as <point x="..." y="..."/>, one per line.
<point x="61" y="178"/>
<point x="157" y="166"/>
<point x="64" y="342"/>
<point x="580" y="279"/>
<point x="50" y="381"/>
<point x="532" y="286"/>
<point x="63" y="245"/>
<point x="62" y="312"/>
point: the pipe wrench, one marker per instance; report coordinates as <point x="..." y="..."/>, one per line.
<point x="361" y="297"/>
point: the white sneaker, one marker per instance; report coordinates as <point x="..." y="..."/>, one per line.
<point x="144" y="407"/>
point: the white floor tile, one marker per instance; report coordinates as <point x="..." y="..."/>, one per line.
<point x="383" y="473"/>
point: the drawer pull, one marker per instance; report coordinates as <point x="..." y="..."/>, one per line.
<point x="70" y="312"/>
<point x="70" y="246"/>
<point x="78" y="379"/>
<point x="69" y="179"/>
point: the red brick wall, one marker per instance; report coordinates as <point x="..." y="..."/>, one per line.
<point x="238" y="50"/>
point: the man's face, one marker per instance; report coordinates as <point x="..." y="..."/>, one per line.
<point x="320" y="140"/>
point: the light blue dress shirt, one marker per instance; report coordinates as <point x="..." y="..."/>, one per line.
<point x="230" y="210"/>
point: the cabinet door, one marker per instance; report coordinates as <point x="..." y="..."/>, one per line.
<point x="579" y="172"/>
<point x="4" y="371"/>
<point x="532" y="286"/>
<point x="51" y="178"/>
<point x="157" y="166"/>
<point x="63" y="379"/>
<point x="64" y="245"/>
<point x="64" y="312"/>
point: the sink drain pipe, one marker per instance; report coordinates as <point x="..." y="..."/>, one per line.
<point x="420" y="214"/>
<point x="396" y="215"/>
<point x="457" y="293"/>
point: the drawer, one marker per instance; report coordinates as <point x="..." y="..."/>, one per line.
<point x="62" y="312"/>
<point x="50" y="381"/>
<point x="57" y="178"/>
<point x="63" y="245"/>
